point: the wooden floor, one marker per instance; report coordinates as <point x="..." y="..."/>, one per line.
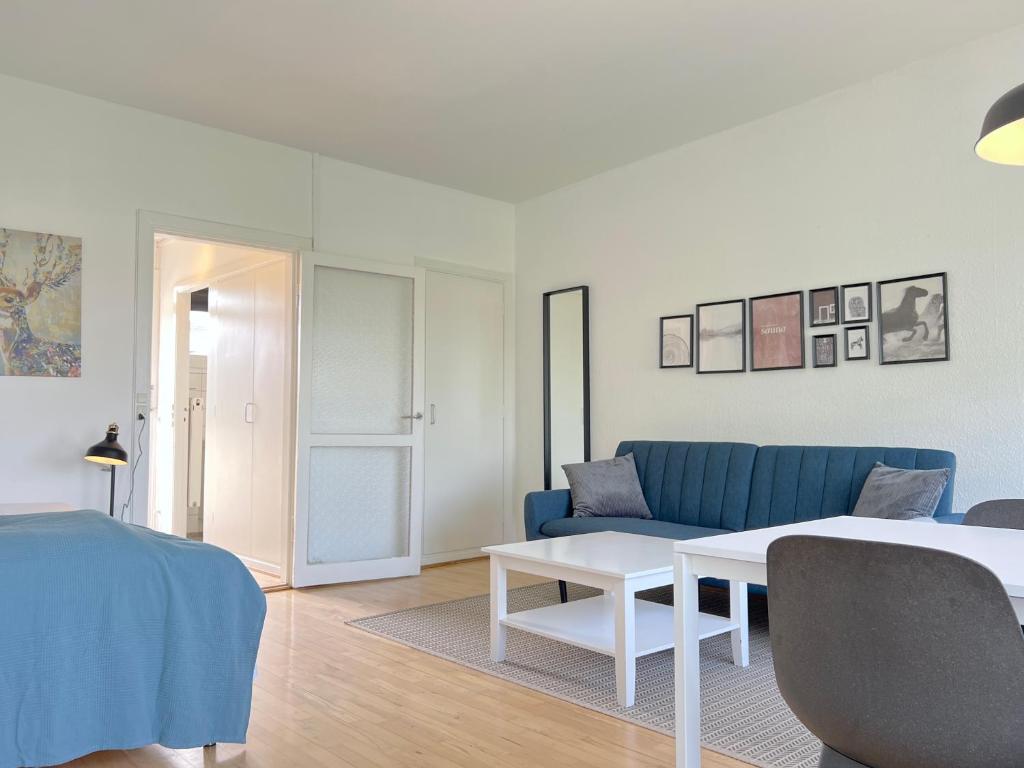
<point x="331" y="696"/>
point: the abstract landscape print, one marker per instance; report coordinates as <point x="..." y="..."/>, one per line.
<point x="912" y="319"/>
<point x="721" y="337"/>
<point x="40" y="304"/>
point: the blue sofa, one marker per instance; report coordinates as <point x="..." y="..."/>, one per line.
<point x="704" y="489"/>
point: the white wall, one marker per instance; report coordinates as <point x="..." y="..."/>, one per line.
<point x="873" y="182"/>
<point x="376" y="215"/>
<point x="80" y="166"/>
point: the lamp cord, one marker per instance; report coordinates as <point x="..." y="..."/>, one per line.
<point x="135" y="465"/>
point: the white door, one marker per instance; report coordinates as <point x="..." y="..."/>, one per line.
<point x="178" y="474"/>
<point x="248" y="441"/>
<point x="229" y="468"/>
<point x="465" y="361"/>
<point x="270" y="415"/>
<point x="359" y="457"/>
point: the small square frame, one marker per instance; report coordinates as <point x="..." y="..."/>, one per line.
<point x="842" y="303"/>
<point x="867" y="342"/>
<point x="814" y="350"/>
<point x="810" y="307"/>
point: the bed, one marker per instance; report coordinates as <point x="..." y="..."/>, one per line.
<point x="115" y="636"/>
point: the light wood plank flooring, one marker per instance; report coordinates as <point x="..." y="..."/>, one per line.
<point x="331" y="696"/>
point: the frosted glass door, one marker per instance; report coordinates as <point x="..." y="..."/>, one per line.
<point x="360" y="415"/>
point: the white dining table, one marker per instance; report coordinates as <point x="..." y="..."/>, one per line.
<point x="741" y="558"/>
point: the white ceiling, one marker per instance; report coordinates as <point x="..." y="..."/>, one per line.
<point x="504" y="98"/>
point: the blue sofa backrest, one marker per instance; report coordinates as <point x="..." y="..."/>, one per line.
<point x="737" y="486"/>
<point x="793" y="483"/>
<point x="706" y="484"/>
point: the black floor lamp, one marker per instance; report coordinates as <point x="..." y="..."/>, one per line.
<point x="108" y="451"/>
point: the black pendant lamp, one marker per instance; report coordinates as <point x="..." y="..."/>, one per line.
<point x="1002" y="133"/>
<point x="108" y="451"/>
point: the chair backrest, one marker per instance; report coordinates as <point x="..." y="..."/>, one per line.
<point x="886" y="663"/>
<point x="705" y="484"/>
<point x="795" y="483"/>
<point x="998" y="513"/>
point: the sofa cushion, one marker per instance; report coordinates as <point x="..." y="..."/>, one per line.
<point x="793" y="483"/>
<point x="570" y="526"/>
<point x="901" y="494"/>
<point x="697" y="484"/>
<point x="607" y="488"/>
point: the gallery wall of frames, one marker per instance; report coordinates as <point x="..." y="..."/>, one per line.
<point x="770" y="333"/>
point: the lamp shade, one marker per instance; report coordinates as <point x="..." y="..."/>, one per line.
<point x="108" y="450"/>
<point x="1002" y="133"/>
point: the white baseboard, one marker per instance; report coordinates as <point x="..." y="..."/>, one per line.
<point x="260" y="565"/>
<point x="450" y="557"/>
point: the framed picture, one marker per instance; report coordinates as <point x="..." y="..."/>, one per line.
<point x="722" y="337"/>
<point x="856" y="303"/>
<point x="858" y="344"/>
<point x="676" y="342"/>
<point x="825" y="350"/>
<point x="823" y="303"/>
<point x="912" y="324"/>
<point x="41" y="279"/>
<point x="777" y="331"/>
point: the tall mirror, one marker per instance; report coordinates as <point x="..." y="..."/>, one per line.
<point x="566" y="382"/>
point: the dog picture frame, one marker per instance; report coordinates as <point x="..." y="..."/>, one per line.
<point x="857" y="342"/>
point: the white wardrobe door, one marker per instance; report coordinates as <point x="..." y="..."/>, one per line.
<point x="464" y="431"/>
<point x="228" y="511"/>
<point x="271" y="399"/>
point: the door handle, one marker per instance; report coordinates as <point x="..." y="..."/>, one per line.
<point x="250" y="413"/>
<point x="433" y="414"/>
<point x="417" y="416"/>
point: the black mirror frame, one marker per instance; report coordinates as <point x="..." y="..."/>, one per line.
<point x="585" y="291"/>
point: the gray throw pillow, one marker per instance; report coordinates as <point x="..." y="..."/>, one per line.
<point x="608" y="488"/>
<point x="901" y="494"/>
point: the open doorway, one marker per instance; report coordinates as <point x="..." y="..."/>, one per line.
<point x="222" y="383"/>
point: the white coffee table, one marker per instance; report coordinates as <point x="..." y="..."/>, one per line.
<point x="615" y="623"/>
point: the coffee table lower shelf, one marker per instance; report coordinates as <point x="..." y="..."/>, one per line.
<point x="590" y="624"/>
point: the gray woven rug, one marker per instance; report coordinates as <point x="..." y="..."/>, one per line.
<point x="742" y="715"/>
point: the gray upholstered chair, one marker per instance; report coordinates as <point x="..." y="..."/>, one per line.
<point x="998" y="513"/>
<point x="896" y="656"/>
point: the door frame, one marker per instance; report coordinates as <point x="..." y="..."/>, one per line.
<point x="148" y="225"/>
<point x="511" y="521"/>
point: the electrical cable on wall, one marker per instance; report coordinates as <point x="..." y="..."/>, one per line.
<point x="135" y="465"/>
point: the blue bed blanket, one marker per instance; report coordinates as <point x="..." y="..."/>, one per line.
<point x="113" y="636"/>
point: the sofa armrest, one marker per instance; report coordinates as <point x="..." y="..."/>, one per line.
<point x="542" y="506"/>
<point x="951" y="519"/>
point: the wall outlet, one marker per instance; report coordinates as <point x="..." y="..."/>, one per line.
<point x="142" y="405"/>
